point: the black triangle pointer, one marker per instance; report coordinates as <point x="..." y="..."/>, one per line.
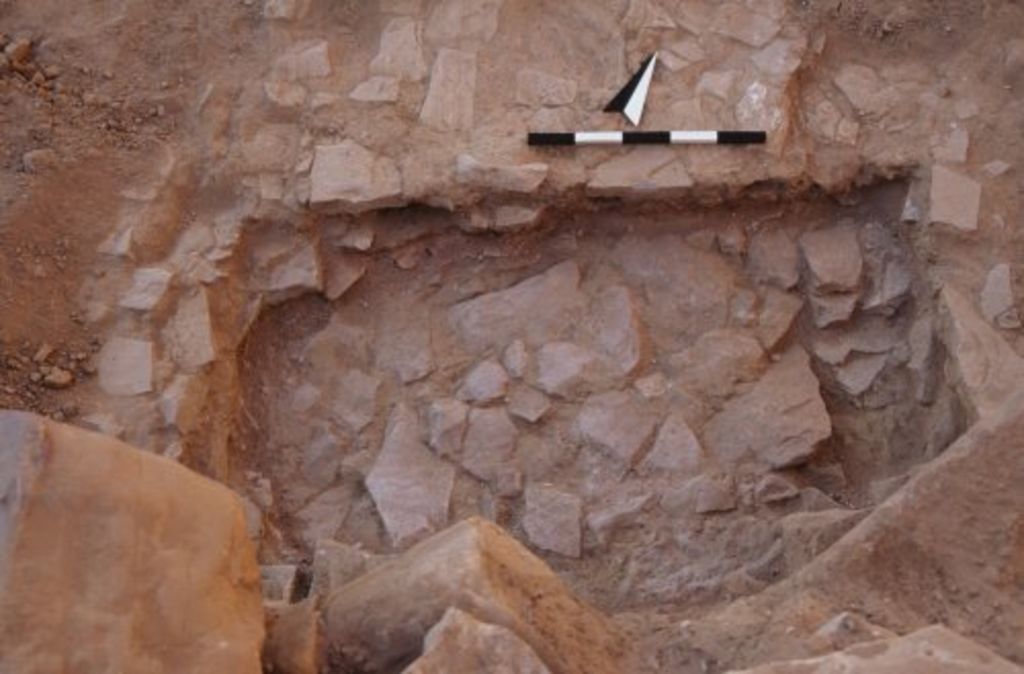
<point x="618" y="104"/>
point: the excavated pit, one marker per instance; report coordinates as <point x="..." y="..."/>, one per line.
<point x="623" y="389"/>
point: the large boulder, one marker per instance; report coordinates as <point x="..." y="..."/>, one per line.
<point x="379" y="620"/>
<point x="112" y="559"/>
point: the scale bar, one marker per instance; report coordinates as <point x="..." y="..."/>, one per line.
<point x="648" y="138"/>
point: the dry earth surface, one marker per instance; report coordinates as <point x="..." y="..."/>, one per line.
<point x="308" y="363"/>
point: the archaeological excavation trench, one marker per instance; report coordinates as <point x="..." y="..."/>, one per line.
<point x="671" y="405"/>
<point x="312" y="363"/>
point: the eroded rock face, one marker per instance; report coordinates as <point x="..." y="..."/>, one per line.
<point x="91" y="523"/>
<point x="475" y="567"/>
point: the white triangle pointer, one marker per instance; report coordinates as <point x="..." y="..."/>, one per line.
<point x="634" y="109"/>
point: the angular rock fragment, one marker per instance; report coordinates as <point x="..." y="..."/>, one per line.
<point x="773" y="258"/>
<point x="681" y="54"/>
<point x="953" y="149"/>
<point x="189" y="333"/>
<point x="890" y="286"/>
<point x="475" y="567"/>
<point x="535" y="309"/>
<point x="343" y="271"/>
<point x="528" y="404"/>
<point x="617" y="333"/>
<point x="335" y="564"/>
<point x="323" y="516"/>
<point x="321" y="459"/>
<point x="400" y="54"/>
<point x="149" y="285"/>
<point x="620" y="510"/>
<point x="778" y="312"/>
<point x="503" y="219"/>
<point x="446" y="426"/>
<point x="278" y="582"/>
<point x="647" y="172"/>
<point x="718" y="361"/>
<point x="716" y="83"/>
<point x="617" y="424"/>
<point x="514" y="178"/>
<point x="126" y="366"/>
<point x="676" y="450"/>
<point x="485" y="383"/>
<point x="406" y="349"/>
<point x="449" y="102"/>
<point x="149" y="532"/>
<point x="997" y="302"/>
<point x="488" y="451"/>
<point x="781" y="57"/>
<point x="872" y="335"/>
<point x="986" y="368"/>
<point x="349" y="178"/>
<point x="774" y="488"/>
<point x="955" y="199"/>
<point x="288" y="274"/>
<point x="779" y="422"/>
<point x="858" y="373"/>
<point x="552" y="519"/>
<point x="515" y="359"/>
<point x="833" y="258"/>
<point x="461" y="643"/>
<point x="828" y="309"/>
<point x="410" y="486"/>
<point x="181" y="403"/>
<point x="354" y="402"/>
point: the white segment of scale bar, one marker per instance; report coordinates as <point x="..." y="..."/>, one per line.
<point x="699" y="137"/>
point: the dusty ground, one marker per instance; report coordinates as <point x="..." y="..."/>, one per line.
<point x="303" y="306"/>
